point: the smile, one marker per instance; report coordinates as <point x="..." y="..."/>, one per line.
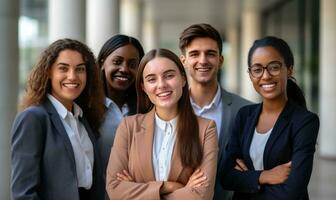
<point x="71" y="85"/>
<point x="164" y="94"/>
<point x="122" y="78"/>
<point x="203" y="69"/>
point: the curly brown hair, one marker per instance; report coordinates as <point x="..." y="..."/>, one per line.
<point x="91" y="100"/>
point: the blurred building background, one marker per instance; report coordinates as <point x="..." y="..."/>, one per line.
<point x="309" y="26"/>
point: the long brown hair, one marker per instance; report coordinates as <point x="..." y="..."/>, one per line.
<point x="38" y="85"/>
<point x="187" y="125"/>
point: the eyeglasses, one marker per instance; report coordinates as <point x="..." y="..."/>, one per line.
<point x="273" y="68"/>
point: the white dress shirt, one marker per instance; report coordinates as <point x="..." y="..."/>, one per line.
<point x="211" y="111"/>
<point x="163" y="146"/>
<point x="257" y="148"/>
<point x="80" y="141"/>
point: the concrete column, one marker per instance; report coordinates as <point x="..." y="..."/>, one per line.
<point x="102" y="22"/>
<point x="232" y="60"/>
<point x="327" y="101"/>
<point x="67" y="19"/>
<point x="250" y="31"/>
<point x="131" y="18"/>
<point x="9" y="56"/>
<point x="151" y="29"/>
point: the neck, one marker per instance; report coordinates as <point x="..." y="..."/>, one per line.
<point x="203" y="94"/>
<point x="166" y="114"/>
<point x="119" y="97"/>
<point x="274" y="106"/>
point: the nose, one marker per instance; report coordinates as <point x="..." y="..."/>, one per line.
<point x="124" y="67"/>
<point x="72" y="74"/>
<point x="203" y="58"/>
<point x="266" y="74"/>
<point x="161" y="83"/>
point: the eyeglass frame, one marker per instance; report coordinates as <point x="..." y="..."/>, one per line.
<point x="267" y="68"/>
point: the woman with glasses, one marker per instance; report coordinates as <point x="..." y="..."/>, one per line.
<point x="271" y="150"/>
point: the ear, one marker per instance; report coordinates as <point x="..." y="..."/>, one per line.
<point x="183" y="59"/>
<point x="290" y="71"/>
<point x="221" y="60"/>
<point x="183" y="81"/>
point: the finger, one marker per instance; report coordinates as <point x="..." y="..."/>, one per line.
<point x="200" y="180"/>
<point x="237" y="167"/>
<point x="197" y="175"/>
<point x="122" y="176"/>
<point x="127" y="175"/>
<point x="241" y="164"/>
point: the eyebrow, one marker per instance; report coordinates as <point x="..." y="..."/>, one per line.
<point x="66" y="64"/>
<point x="207" y="51"/>
<point x="273" y="61"/>
<point x="165" y="72"/>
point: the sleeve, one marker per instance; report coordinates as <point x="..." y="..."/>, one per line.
<point x="208" y="166"/>
<point x="230" y="178"/>
<point x="26" y="151"/>
<point x="304" y="141"/>
<point x="119" y="161"/>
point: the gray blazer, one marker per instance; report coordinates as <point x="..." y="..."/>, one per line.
<point x="42" y="158"/>
<point x="231" y="104"/>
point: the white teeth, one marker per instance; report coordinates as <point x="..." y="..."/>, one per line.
<point x="203" y="69"/>
<point x="121" y="78"/>
<point x="71" y="85"/>
<point x="164" y="94"/>
<point x="268" y="85"/>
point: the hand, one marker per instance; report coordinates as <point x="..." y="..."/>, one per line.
<point x="240" y="165"/>
<point x="170" y="186"/>
<point x="124" y="176"/>
<point x="276" y="175"/>
<point x="197" y="179"/>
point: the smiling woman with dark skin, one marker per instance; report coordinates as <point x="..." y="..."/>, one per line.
<point x="271" y="150"/>
<point x="118" y="60"/>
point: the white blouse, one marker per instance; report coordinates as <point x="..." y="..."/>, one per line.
<point x="163" y="146"/>
<point x="257" y="148"/>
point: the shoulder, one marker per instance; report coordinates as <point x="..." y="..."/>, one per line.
<point x="248" y="110"/>
<point x="234" y="99"/>
<point x="33" y="113"/>
<point x="301" y="116"/>
<point x="205" y="124"/>
<point x="134" y="121"/>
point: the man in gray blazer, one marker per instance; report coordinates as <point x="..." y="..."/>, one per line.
<point x="201" y="47"/>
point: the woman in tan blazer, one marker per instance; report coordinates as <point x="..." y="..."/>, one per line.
<point x="166" y="152"/>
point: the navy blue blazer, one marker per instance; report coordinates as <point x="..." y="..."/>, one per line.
<point x="293" y="138"/>
<point x="42" y="158"/>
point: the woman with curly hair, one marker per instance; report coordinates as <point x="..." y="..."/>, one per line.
<point x="53" y="145"/>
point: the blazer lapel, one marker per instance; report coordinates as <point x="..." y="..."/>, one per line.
<point x="55" y="118"/>
<point x="176" y="166"/>
<point x="249" y="132"/>
<point x="144" y="146"/>
<point x="224" y="135"/>
<point x="280" y="124"/>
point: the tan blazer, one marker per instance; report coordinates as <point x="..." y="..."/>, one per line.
<point x="132" y="150"/>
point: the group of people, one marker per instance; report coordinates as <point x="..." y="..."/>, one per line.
<point x="130" y="125"/>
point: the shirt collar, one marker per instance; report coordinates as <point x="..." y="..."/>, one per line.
<point x="162" y="124"/>
<point x="215" y="101"/>
<point x="61" y="110"/>
<point x="124" y="110"/>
